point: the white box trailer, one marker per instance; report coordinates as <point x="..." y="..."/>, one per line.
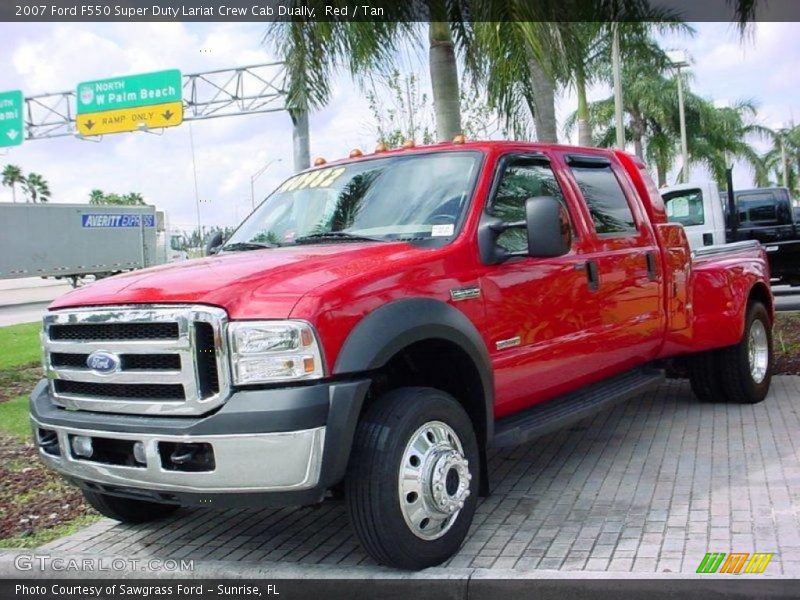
<point x="76" y="240"/>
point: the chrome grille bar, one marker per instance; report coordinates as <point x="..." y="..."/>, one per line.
<point x="196" y="399"/>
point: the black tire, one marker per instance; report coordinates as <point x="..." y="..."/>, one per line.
<point x="372" y="484"/>
<point x="705" y="377"/>
<point x="734" y="362"/>
<point x="128" y="510"/>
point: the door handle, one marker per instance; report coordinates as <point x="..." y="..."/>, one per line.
<point x="592" y="273"/>
<point x="652" y="266"/>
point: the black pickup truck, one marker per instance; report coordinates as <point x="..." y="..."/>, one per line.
<point x="767" y="215"/>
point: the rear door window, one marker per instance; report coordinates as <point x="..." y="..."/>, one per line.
<point x="607" y="203"/>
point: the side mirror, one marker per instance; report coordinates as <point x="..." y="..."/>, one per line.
<point x="548" y="227"/>
<point x="213" y="244"/>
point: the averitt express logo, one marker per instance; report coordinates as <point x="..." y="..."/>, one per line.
<point x="735" y="563"/>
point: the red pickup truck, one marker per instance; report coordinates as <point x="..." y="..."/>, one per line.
<point x="377" y="324"/>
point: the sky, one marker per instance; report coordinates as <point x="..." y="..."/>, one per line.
<point x="43" y="58"/>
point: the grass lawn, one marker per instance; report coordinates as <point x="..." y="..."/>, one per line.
<point x="20" y="345"/>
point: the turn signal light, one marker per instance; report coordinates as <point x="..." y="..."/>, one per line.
<point x="355" y="153"/>
<point x="459" y="139"/>
<point x="409" y="144"/>
<point x="318" y="162"/>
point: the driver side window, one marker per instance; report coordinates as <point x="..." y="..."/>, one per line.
<point x="522" y="178"/>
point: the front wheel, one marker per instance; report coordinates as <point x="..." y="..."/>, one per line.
<point x="412" y="482"/>
<point x="746" y="368"/>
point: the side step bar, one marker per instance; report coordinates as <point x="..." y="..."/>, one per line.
<point x="570" y="408"/>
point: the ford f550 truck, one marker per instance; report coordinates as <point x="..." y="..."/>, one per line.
<point x="379" y="323"/>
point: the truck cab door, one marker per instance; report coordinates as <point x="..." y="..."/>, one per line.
<point x="539" y="311"/>
<point x="627" y="258"/>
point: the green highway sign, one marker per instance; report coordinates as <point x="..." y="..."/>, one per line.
<point x="12" y="128"/>
<point x="131" y="91"/>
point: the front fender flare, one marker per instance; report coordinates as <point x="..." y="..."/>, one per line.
<point x="394" y="326"/>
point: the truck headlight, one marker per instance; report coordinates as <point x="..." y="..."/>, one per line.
<point x="270" y="351"/>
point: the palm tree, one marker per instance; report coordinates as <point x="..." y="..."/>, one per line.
<point x="783" y="156"/>
<point x="588" y="57"/>
<point x="12" y="175"/>
<point x="517" y="63"/>
<point x="313" y="50"/>
<point x="36" y="188"/>
<point x="715" y="135"/>
<point x="97" y="197"/>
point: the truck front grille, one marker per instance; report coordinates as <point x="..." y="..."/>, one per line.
<point x="156" y="360"/>
<point x="133" y="391"/>
<point x="130" y="362"/>
<point x="115" y="331"/>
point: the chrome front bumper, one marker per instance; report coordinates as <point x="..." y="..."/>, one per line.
<point x="253" y="462"/>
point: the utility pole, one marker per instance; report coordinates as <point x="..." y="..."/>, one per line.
<point x="410" y="110"/>
<point x="255" y="176"/>
<point x="616" y="65"/>
<point x="678" y="59"/>
<point x="784" y="162"/>
<point x="196" y="188"/>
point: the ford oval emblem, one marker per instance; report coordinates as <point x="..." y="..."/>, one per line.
<point x="103" y="362"/>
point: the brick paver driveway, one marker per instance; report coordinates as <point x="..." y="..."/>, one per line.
<point x="649" y="488"/>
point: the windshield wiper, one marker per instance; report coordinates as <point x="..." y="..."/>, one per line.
<point x="336" y="236"/>
<point x="249" y="246"/>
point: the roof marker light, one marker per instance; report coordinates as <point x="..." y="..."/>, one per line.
<point x="381" y="147"/>
<point x="319" y="161"/>
<point x="355" y="153"/>
<point x="459" y="139"/>
<point x="409" y="144"/>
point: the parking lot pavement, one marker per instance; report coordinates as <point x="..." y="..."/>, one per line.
<point x="648" y="488"/>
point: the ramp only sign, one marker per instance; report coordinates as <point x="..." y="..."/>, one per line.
<point x="12" y="130"/>
<point x="104" y="220"/>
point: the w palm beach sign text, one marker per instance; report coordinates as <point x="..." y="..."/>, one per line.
<point x="143" y="101"/>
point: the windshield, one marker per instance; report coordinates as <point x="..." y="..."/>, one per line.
<point x="412" y="197"/>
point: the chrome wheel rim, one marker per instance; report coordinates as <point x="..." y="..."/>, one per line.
<point x="434" y="480"/>
<point x="758" y="351"/>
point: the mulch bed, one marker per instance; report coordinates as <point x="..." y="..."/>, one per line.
<point x="32" y="497"/>
<point x="786" y="343"/>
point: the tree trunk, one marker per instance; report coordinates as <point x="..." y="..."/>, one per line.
<point x="637" y="128"/>
<point x="661" y="171"/>
<point x="14" y="192"/>
<point x="444" y="81"/>
<point x="544" y="97"/>
<point x="584" y="126"/>
<point x="300" y="139"/>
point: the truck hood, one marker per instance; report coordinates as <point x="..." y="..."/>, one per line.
<point x="254" y="284"/>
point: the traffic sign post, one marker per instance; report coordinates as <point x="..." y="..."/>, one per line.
<point x="130" y="103"/>
<point x="12" y="127"/>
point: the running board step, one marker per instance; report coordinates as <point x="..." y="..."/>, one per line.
<point x="575" y="406"/>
